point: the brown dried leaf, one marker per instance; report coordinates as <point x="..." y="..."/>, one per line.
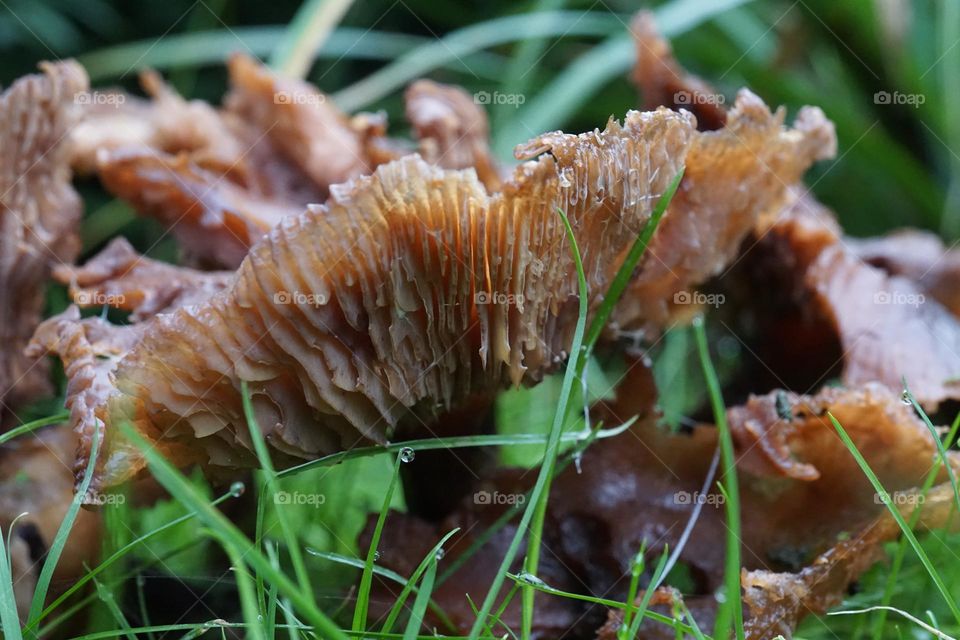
<point x="919" y="256"/>
<point x="800" y="491"/>
<point x="889" y="329"/>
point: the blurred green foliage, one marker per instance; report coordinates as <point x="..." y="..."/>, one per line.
<point x="897" y="164"/>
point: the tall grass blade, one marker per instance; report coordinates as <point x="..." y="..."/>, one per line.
<point x="33" y="426"/>
<point x="181" y="489"/>
<point x="60" y="540"/>
<point x="553" y="443"/>
<point x="270" y="489"/>
<point x="420" y="604"/>
<point x="730" y="612"/>
<point x="366" y="580"/>
<point x="578" y="361"/>
<point x="895" y="512"/>
<point x="305" y="35"/>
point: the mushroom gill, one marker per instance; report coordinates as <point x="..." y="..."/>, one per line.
<point x="408" y="291"/>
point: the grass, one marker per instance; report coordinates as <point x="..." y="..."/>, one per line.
<point x="534" y="510"/>
<point x="905" y="528"/>
<point x="730" y="612"/>
<point x="567" y="60"/>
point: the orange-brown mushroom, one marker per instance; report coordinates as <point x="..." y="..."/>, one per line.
<point x="410" y="290"/>
<point x="39" y="216"/>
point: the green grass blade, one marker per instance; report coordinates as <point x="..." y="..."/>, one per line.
<point x="270" y="618"/>
<point x="636" y="570"/>
<point x="8" y="600"/>
<point x="941" y="450"/>
<point x="895" y="512"/>
<point x="578" y="361"/>
<point x="60" y="540"/>
<point x="363" y="594"/>
<point x="509" y="514"/>
<point x="459" y="442"/>
<point x="235" y="491"/>
<point x="730" y="612"/>
<point x="901" y="550"/>
<point x="181" y="489"/>
<point x="920" y="623"/>
<point x="212" y="48"/>
<point x="412" y="581"/>
<point x="306" y="33"/>
<point x="420" y="604"/>
<point x="389" y="575"/>
<point x="246" y="592"/>
<point x="270" y="485"/>
<point x="641" y="611"/>
<point x="553" y="442"/>
<point x="523" y="63"/>
<point x="573" y="87"/>
<point x="605" y="602"/>
<point x="455" y="45"/>
<point x="622" y="278"/>
<point x="106" y="597"/>
<point x="33" y="426"/>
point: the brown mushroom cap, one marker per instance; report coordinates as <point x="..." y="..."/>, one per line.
<point x="40" y="213"/>
<point x="408" y="291"/>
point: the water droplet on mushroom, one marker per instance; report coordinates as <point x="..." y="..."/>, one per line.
<point x="407" y="454"/>
<point x="564" y="180"/>
<point x="237" y="489"/>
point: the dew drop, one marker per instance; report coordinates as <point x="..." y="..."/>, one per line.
<point x="905" y="397"/>
<point x="440" y="553"/>
<point x="237" y="489"/>
<point x="376" y="556"/>
<point x="407" y="454"/>
<point x="529" y="578"/>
